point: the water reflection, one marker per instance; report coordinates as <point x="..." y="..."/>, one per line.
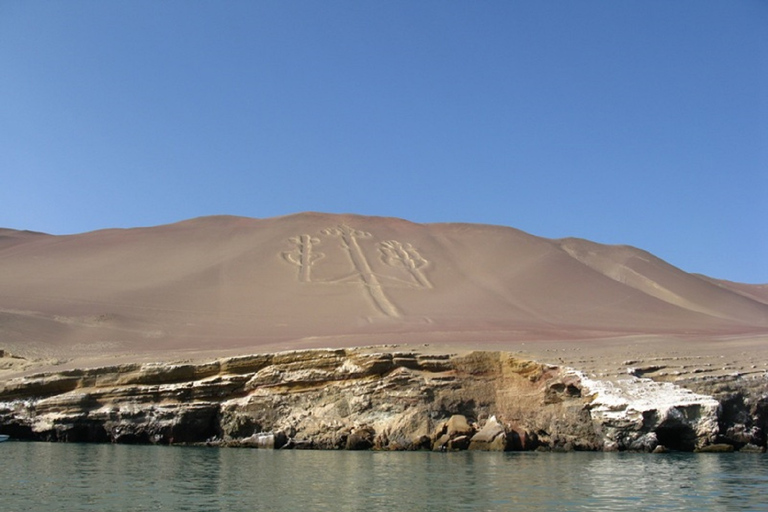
<point x="39" y="476"/>
<point x="678" y="481"/>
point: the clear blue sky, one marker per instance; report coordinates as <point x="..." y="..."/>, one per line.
<point x="634" y="122"/>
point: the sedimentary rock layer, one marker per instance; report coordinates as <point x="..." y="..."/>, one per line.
<point x="377" y="399"/>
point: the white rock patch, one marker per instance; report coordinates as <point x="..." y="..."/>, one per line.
<point x="631" y="409"/>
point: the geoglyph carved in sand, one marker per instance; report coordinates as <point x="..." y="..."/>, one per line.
<point x="396" y="254"/>
<point x="405" y="261"/>
<point x="303" y="256"/>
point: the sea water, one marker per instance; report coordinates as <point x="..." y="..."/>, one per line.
<point x="80" y="477"/>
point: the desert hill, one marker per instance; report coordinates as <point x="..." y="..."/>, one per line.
<point x="311" y="279"/>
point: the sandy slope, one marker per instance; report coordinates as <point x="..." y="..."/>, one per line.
<point x="224" y="285"/>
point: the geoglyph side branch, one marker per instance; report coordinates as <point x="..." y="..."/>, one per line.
<point x="397" y="254"/>
<point x="303" y="255"/>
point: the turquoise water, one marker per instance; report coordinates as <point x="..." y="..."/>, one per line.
<point x="69" y="477"/>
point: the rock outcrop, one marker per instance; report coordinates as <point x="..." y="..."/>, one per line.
<point x="743" y="412"/>
<point x="361" y="399"/>
<point x="639" y="414"/>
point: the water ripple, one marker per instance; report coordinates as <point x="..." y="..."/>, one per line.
<point x="69" y="477"/>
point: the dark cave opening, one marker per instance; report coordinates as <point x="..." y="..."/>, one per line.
<point x="676" y="437"/>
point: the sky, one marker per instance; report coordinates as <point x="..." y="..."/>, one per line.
<point x="635" y="122"/>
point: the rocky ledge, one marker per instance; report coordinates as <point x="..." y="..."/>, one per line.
<point x="387" y="400"/>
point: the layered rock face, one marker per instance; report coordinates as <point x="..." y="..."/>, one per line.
<point x="366" y="399"/>
<point x="743" y="409"/>
<point x="315" y="399"/>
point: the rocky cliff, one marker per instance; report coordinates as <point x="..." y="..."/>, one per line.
<point x="380" y="398"/>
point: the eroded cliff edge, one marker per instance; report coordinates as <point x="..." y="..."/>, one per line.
<point x="383" y="399"/>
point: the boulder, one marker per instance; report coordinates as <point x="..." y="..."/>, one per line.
<point x="459" y="443"/>
<point x="265" y="440"/>
<point x="752" y="448"/>
<point x="458" y="425"/>
<point x="361" y="439"/>
<point x="441" y="443"/>
<point x="453" y="434"/>
<point x="492" y="437"/>
<point x="715" y="448"/>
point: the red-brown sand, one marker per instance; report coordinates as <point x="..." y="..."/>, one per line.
<point x="219" y="286"/>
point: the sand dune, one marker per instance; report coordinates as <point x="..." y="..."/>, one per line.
<point x="239" y="284"/>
